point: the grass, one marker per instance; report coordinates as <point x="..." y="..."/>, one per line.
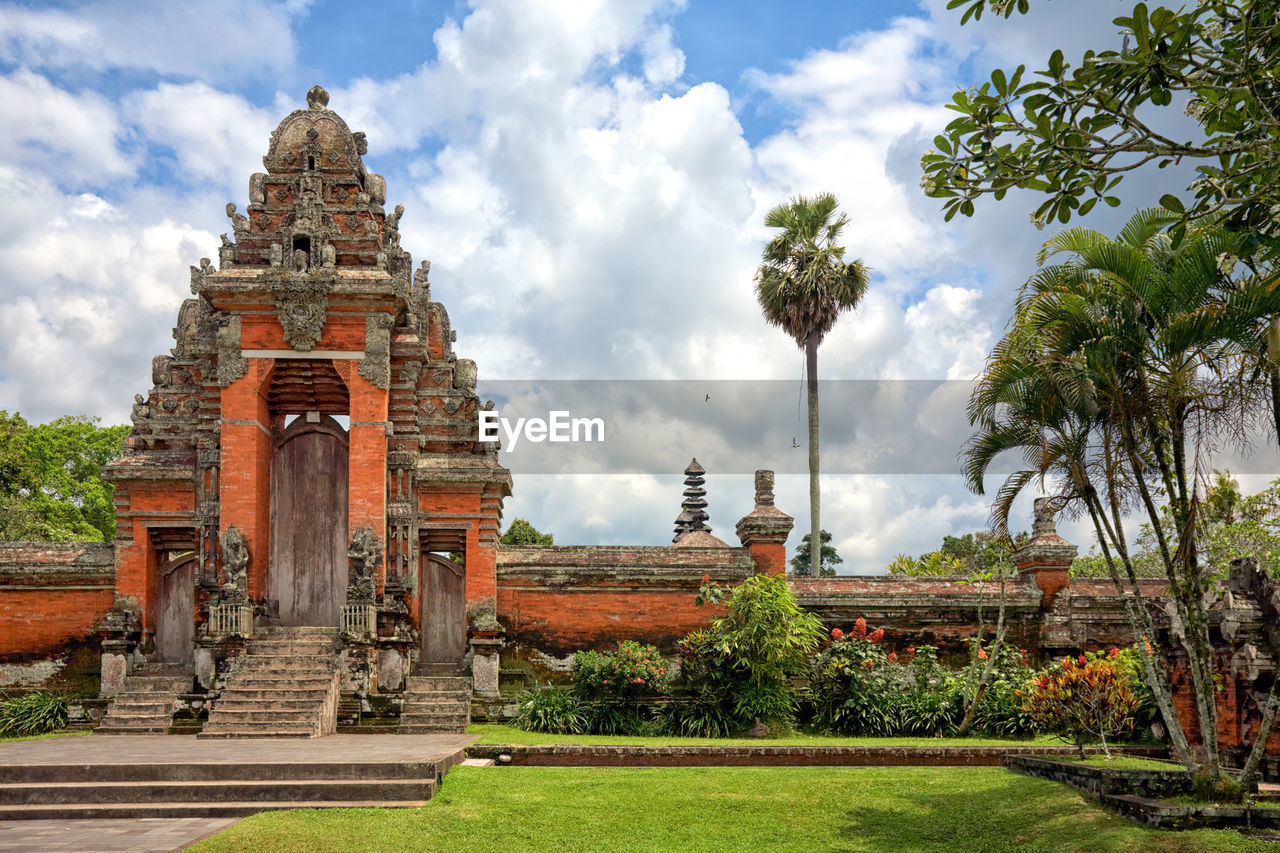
<point x="1125" y="762"/>
<point x="570" y="809"/>
<point x="43" y="736"/>
<point x="491" y="733"/>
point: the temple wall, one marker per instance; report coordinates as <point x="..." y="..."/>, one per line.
<point x="557" y="600"/>
<point x="52" y="594"/>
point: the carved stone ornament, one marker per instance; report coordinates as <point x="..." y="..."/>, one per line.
<point x="376" y="364"/>
<point x="235" y="568"/>
<point x="231" y="364"/>
<point x="317" y="98"/>
<point x="302" y="305"/>
<point x="363" y="554"/>
<point x="200" y="275"/>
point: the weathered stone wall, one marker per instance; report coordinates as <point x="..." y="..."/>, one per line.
<point x="51" y="596"/>
<point x="554" y="601"/>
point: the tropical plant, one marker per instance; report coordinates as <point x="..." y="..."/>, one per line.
<point x="1076" y="132"/>
<point x="1122" y="367"/>
<point x="33" y="714"/>
<point x="613" y="686"/>
<point x="801" y="562"/>
<point x="554" y="710"/>
<point x="803" y="285"/>
<point x="1082" y="698"/>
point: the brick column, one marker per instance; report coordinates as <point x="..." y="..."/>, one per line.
<point x="765" y="529"/>
<point x="367" y="465"/>
<point x="1046" y="558"/>
<point x="245" y="445"/>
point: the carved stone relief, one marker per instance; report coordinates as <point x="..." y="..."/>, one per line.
<point x="302" y="305"/>
<point x="376" y="364"/>
<point x="231" y="364"/>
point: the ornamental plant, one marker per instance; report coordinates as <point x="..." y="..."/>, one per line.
<point x="1081" y="698"/>
<point x="612" y="686"/>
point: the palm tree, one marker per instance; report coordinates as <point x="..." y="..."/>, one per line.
<point x="804" y="285"/>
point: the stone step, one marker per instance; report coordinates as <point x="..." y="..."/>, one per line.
<point x="419" y="696"/>
<point x="108" y="729"/>
<point x="280" y="680"/>
<point x="236" y="702"/>
<point x="285" y="692"/>
<point x="431" y="682"/>
<point x="250" y="731"/>
<point x="274" y="716"/>
<point x="423" y="729"/>
<point x="277" y="790"/>
<point x="216" y="771"/>
<point x="281" y="645"/>
<point x="88" y="811"/>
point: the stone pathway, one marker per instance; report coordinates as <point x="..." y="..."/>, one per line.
<point x="158" y="835"/>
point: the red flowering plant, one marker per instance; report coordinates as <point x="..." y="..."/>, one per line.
<point x="1083" y="698"/>
<point x="854" y="683"/>
<point x="613" y="685"/>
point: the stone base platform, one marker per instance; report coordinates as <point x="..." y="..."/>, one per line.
<point x="582" y="755"/>
<point x="129" y="776"/>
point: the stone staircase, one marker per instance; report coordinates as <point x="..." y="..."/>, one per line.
<point x="210" y="788"/>
<point x="144" y="704"/>
<point x="285" y="685"/>
<point x="436" y="703"/>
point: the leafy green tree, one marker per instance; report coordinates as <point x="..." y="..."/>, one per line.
<point x="1074" y="133"/>
<point x="1118" y="362"/>
<point x="803" y="285"/>
<point x="51" y="485"/>
<point x="800" y="561"/>
<point x="521" y="532"/>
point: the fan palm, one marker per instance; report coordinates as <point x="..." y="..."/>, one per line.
<point x="804" y="284"/>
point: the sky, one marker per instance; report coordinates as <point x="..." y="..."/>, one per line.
<point x="589" y="180"/>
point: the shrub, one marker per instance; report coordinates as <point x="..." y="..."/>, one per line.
<point x="631" y="671"/>
<point x="553" y="710"/>
<point x="1082" y="697"/>
<point x="856" y="688"/>
<point x="33" y="714"/>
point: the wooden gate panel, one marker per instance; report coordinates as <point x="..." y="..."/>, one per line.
<point x="444" y="610"/>
<point x="175" y="610"/>
<point x="307" y="574"/>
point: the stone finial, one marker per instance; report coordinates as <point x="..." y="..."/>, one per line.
<point x="317" y="98"/>
<point x="1043" y="523"/>
<point x="764" y="487"/>
<point x="693" y="511"/>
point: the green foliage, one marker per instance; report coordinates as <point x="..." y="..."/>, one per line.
<point x="33" y="714"/>
<point x="972" y="555"/>
<point x="804" y="283"/>
<point x="632" y="670"/>
<point x="554" y="710"/>
<point x="521" y="532"/>
<point x="830" y="559"/>
<point x="742" y="666"/>
<point x="51" y="486"/>
<point x="1082" y="698"/>
<point x="1073" y="133"/>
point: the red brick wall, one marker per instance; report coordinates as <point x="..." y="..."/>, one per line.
<point x="51" y="595"/>
<point x="246" y="467"/>
<point x="558" y="600"/>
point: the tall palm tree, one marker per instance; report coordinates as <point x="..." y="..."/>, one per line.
<point x="804" y="285"/>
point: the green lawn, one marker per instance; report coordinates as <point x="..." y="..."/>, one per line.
<point x="567" y="809"/>
<point x="43" y="736"/>
<point x="1124" y="762"/>
<point x="490" y="733"/>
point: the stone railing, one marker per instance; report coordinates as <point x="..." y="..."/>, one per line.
<point x="226" y="620"/>
<point x="359" y="620"/>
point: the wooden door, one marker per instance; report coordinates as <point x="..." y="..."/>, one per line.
<point x="444" y="611"/>
<point x="307" y="572"/>
<point x="175" y="609"/>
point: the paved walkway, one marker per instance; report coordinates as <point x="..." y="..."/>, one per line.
<point x="162" y="835"/>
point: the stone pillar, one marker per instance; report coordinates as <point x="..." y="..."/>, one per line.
<point x="484" y="666"/>
<point x="1045" y="559"/>
<point x="765" y="529"/>
<point x="245" y="443"/>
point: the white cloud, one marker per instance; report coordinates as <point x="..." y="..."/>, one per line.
<point x="199" y="37"/>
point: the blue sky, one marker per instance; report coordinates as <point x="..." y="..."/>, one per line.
<point x="589" y="180"/>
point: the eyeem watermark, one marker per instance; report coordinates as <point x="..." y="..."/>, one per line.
<point x="558" y="426"/>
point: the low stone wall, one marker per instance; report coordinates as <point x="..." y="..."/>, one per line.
<point x="52" y="594"/>
<point x="769" y="756"/>
<point x="554" y="601"/>
<point x="1097" y="781"/>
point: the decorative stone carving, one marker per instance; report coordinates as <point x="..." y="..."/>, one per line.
<point x="409" y="373"/>
<point x="302" y="305"/>
<point x="392" y="224"/>
<point x="376" y="187"/>
<point x="300" y="261"/>
<point x="452" y="405"/>
<point x="208" y="457"/>
<point x="464" y="375"/>
<point x="693" y="511"/>
<point x="140" y="413"/>
<point x="257" y="188"/>
<point x="764" y="487"/>
<point x="363" y="555"/>
<point x="362" y="142"/>
<point x="226" y="253"/>
<point x="231" y="364"/>
<point x="275" y="255"/>
<point x="239" y="222"/>
<point x="162" y="370"/>
<point x="376" y="364"/>
<point x="235" y="568"/>
<point x="317" y="98"/>
<point x="200" y="275"/>
<point x="327" y="256"/>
